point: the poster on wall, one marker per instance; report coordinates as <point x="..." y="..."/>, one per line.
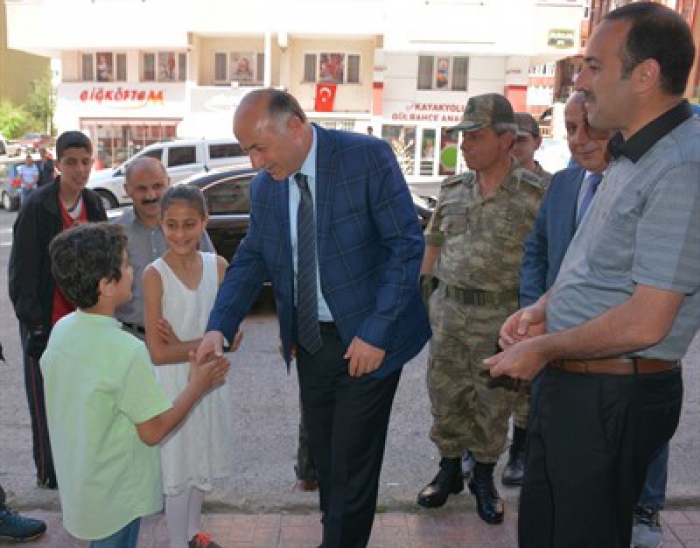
<point x="105" y="67"/>
<point x="242" y="66"/>
<point x="331" y="68"/>
<point x="442" y="73"/>
<point x="166" y="67"/>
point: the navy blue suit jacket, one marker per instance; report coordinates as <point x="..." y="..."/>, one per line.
<point x="551" y="235"/>
<point x="370" y="246"/>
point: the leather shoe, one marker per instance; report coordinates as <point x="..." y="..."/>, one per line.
<point x="448" y="482"/>
<point x="514" y="472"/>
<point x="306" y="485"/>
<point x="489" y="504"/>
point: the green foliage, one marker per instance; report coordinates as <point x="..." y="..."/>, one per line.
<point x="41" y="104"/>
<point x="14" y="120"/>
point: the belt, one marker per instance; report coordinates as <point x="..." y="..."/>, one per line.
<point x="477" y="297"/>
<point x="134" y="327"/>
<point x="616" y="366"/>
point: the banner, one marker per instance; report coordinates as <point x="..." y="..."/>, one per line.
<point x="325" y="97"/>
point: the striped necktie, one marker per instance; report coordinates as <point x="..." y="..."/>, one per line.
<point x="593" y="180"/>
<point x="308" y="332"/>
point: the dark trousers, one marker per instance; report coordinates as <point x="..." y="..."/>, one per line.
<point x="34" y="387"/>
<point x="2" y="500"/>
<point x="304" y="468"/>
<point x="347" y="419"/>
<point x="591" y="441"/>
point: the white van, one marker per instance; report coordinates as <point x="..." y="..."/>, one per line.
<point x="181" y="159"/>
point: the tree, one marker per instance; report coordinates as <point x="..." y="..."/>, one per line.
<point x="14" y="119"/>
<point x="41" y="103"/>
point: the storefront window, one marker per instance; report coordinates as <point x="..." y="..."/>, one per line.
<point x="118" y="141"/>
<point x="449" y="153"/>
<point x="403" y="142"/>
<point x="427" y="155"/>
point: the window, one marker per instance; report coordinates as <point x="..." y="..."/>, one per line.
<point x="225" y="150"/>
<point x="103" y="66"/>
<point x="180" y="156"/>
<point x="229" y="196"/>
<point x="342" y="125"/>
<point x="443" y="72"/>
<point x="244" y="67"/>
<point x="332" y="68"/>
<point x="163" y="66"/>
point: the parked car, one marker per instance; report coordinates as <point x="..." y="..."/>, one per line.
<point x="227" y="192"/>
<point x="10" y="183"/>
<point x="181" y="158"/>
<point x="8" y="148"/>
<point x="32" y="142"/>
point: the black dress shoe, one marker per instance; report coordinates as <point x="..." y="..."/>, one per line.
<point x="489" y="504"/>
<point x="514" y="472"/>
<point x="448" y="482"/>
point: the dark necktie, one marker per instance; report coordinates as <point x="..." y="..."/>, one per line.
<point x="308" y="331"/>
<point x="593" y="180"/>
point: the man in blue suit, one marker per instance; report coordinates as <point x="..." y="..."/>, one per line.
<point x="559" y="213"/>
<point x="363" y="319"/>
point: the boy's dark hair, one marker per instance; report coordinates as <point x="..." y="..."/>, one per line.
<point x="184" y="193"/>
<point x="658" y="33"/>
<point x="82" y="256"/>
<point x="72" y="139"/>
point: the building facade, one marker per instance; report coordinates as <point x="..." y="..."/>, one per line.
<point x="18" y="69"/>
<point x="139" y="71"/>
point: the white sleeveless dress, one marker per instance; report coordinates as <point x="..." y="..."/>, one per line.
<point x="200" y="450"/>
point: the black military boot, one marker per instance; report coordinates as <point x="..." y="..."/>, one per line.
<point x="448" y="482"/>
<point x="489" y="504"/>
<point x="514" y="471"/>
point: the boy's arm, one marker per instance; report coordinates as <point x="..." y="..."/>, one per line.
<point x="202" y="379"/>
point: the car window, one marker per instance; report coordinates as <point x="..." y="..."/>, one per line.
<point x="180" y="156"/>
<point x="3" y="172"/>
<point x="225" y="150"/>
<point x="156" y="153"/>
<point x="229" y="196"/>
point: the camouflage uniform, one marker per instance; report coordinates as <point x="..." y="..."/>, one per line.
<point x="481" y="241"/>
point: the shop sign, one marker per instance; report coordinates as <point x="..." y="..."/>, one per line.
<point x="438" y="113"/>
<point x="122" y="97"/>
<point x="561" y="38"/>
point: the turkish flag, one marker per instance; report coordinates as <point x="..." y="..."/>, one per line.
<point x="325" y="97"/>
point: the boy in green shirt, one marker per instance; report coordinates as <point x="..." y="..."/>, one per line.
<point x="106" y="412"/>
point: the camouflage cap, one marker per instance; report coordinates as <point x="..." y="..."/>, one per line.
<point x="527" y="125"/>
<point x="484" y="111"/>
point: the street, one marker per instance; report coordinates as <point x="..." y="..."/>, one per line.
<point x="265" y="423"/>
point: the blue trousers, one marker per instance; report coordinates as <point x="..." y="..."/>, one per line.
<point x="654" y="492"/>
<point x="126" y="537"/>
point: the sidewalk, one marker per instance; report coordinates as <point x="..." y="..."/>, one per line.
<point x="443" y="528"/>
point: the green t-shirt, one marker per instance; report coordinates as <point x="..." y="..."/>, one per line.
<point x="99" y="384"/>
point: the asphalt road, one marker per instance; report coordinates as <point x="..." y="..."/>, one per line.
<point x="265" y="421"/>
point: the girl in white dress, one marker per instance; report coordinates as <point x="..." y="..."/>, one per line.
<point x="179" y="291"/>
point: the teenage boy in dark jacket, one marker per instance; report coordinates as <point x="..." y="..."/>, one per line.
<point x="37" y="302"/>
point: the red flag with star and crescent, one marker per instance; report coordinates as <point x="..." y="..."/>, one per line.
<point x="325" y="97"/>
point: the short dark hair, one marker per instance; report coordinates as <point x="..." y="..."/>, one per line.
<point x="85" y="254"/>
<point x="72" y="139"/>
<point x="184" y="193"/>
<point x="658" y="33"/>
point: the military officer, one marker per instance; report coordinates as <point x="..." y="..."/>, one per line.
<point x="474" y="245"/>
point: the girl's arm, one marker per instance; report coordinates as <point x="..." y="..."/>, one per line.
<point x="162" y="351"/>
